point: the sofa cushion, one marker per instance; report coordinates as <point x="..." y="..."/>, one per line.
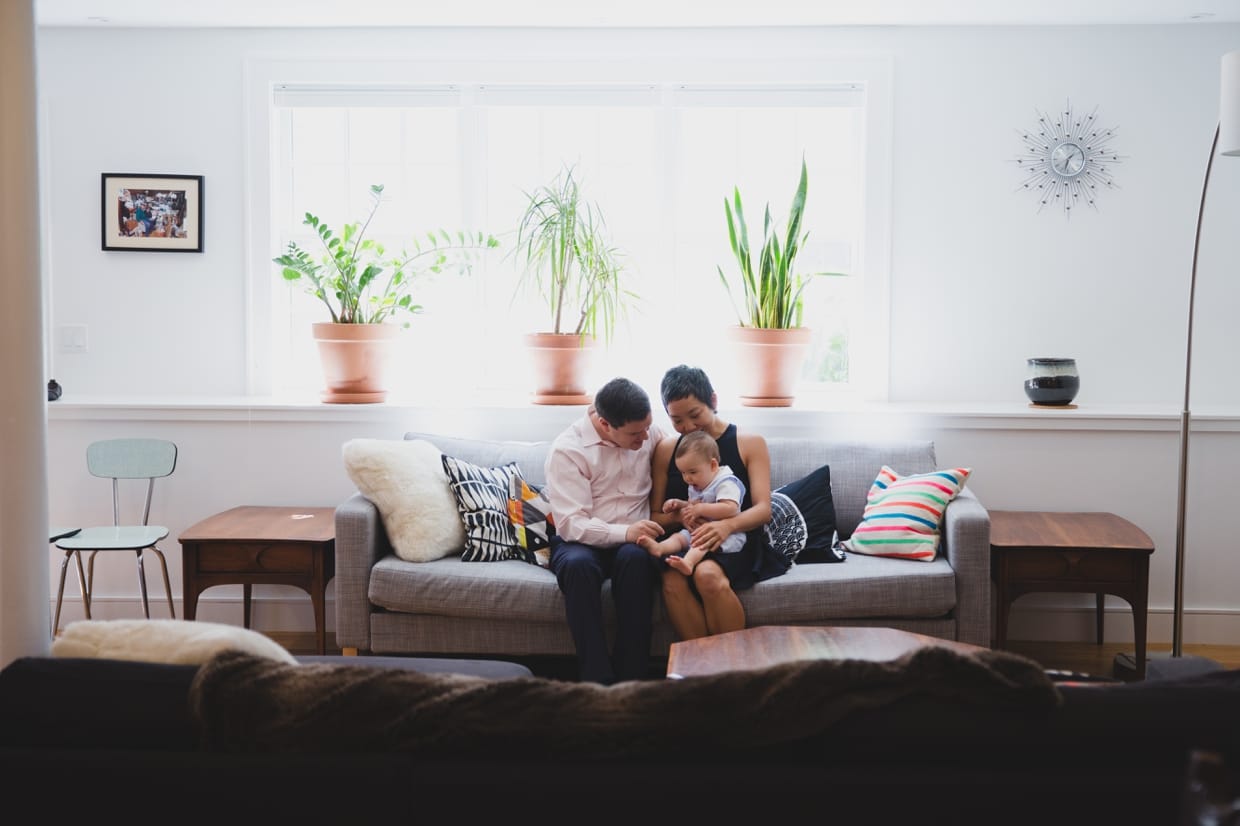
<point x="529" y="511"/>
<point x="802" y="526"/>
<point x="904" y="514"/>
<point x="406" y="481"/>
<point x="529" y="456"/>
<point x="853" y="468"/>
<point x="482" y="499"/>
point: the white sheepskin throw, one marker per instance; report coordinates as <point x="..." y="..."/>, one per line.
<point x="405" y="480"/>
<point x="177" y="642"/>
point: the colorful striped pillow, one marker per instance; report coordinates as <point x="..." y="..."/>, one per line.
<point x="903" y="514"/>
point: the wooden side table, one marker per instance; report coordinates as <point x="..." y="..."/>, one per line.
<point x="1098" y="553"/>
<point x="253" y="545"/>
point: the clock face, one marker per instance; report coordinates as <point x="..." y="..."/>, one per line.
<point x="1067" y="160"/>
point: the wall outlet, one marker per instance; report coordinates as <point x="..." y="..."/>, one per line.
<point x="72" y="338"/>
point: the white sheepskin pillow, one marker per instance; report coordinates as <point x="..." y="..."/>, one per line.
<point x="177" y="642"/>
<point x="406" y="481"/>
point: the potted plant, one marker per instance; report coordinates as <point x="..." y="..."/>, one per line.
<point x="568" y="260"/>
<point x="770" y="340"/>
<point x="364" y="290"/>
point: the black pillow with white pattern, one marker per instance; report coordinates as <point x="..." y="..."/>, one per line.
<point x="802" y="525"/>
<point x="482" y="499"/>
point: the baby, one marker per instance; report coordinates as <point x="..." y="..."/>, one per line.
<point x="714" y="491"/>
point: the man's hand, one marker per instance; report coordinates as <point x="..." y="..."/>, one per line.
<point x="646" y="527"/>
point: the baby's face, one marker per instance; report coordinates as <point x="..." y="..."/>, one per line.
<point x="697" y="471"/>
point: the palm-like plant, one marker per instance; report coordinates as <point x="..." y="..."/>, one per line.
<point x="359" y="283"/>
<point x="562" y="244"/>
<point x="772" y="290"/>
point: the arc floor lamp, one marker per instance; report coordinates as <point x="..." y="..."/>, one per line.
<point x="1226" y="142"/>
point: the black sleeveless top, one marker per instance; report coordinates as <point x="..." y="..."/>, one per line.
<point x="757" y="560"/>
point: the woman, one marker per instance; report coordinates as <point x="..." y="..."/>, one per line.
<point x="705" y="602"/>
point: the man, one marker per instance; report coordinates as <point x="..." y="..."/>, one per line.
<point x="598" y="482"/>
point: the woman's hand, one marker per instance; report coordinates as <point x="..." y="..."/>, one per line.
<point x="709" y="535"/>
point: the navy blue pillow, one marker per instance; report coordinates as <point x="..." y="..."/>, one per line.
<point x="802" y="525"/>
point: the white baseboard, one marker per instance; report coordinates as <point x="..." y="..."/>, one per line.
<point x="1046" y="622"/>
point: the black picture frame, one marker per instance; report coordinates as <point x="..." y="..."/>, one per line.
<point x="151" y="213"/>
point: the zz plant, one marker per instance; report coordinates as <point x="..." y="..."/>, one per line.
<point x="360" y="283"/>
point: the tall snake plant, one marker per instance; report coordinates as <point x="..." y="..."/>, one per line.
<point x="772" y="290"/>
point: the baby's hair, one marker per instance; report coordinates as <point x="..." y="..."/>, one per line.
<point x="699" y="442"/>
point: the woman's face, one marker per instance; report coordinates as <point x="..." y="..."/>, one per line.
<point x="690" y="414"/>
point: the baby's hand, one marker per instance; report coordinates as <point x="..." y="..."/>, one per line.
<point x="673" y="505"/>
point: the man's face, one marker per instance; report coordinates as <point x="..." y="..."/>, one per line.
<point x="630" y="435"/>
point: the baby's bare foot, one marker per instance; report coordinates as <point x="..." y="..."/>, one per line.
<point x="678" y="563"/>
<point x="646" y="543"/>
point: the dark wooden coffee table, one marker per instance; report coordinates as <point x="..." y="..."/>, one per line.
<point x="253" y="545"/>
<point x="767" y="645"/>
<point x="1064" y="551"/>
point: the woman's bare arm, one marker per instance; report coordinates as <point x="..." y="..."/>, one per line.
<point x="660" y="458"/>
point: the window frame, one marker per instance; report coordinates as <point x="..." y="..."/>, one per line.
<point x="265" y="77"/>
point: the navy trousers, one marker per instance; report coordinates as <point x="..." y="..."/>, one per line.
<point x="580" y="571"/>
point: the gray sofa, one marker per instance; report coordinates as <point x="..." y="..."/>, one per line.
<point x="386" y="605"/>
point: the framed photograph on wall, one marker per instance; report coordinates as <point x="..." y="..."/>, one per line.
<point x="152" y="213"/>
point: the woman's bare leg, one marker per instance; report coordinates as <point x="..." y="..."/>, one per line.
<point x="686" y="614"/>
<point x="720" y="603"/>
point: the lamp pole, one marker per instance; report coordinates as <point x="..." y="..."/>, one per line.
<point x="1179" y="664"/>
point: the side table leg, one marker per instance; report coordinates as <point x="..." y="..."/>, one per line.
<point x="319" y="598"/>
<point x="1099" y="617"/>
<point x="1004" y="605"/>
<point x="246" y="591"/>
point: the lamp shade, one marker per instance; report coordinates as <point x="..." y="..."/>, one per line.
<point x="1229" y="105"/>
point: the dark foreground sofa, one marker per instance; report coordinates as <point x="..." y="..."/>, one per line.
<point x="935" y="737"/>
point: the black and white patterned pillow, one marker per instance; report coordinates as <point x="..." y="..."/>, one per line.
<point x="482" y="499"/>
<point x="802" y="526"/>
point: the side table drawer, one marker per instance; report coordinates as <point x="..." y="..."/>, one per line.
<point x="1067" y="565"/>
<point x="273" y="557"/>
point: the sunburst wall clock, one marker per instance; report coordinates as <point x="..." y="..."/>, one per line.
<point x="1066" y="160"/>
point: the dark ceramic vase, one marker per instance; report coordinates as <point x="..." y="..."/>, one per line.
<point x="1052" y="381"/>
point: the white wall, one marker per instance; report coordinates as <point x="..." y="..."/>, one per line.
<point x="979" y="282"/>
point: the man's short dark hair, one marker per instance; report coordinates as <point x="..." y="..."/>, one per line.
<point x="620" y="401"/>
<point x="683" y="381"/>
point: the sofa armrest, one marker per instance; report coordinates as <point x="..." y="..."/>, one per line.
<point x="966" y="545"/>
<point x="361" y="541"/>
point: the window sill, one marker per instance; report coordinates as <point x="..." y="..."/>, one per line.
<point x="811" y="412"/>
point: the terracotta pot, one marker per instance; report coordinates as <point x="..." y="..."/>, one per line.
<point x="560" y="366"/>
<point x="355" y="358"/>
<point x="768" y="364"/>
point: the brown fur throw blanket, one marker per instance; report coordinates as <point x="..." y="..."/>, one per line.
<point x="243" y="703"/>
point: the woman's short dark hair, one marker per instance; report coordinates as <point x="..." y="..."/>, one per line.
<point x="683" y="381"/>
<point x="620" y="401"/>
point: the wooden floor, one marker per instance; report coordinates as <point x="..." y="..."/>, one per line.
<point x="1082" y="657"/>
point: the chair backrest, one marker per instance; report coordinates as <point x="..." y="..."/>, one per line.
<point x="117" y="459"/>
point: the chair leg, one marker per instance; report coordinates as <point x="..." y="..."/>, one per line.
<point x="60" y="593"/>
<point x="163" y="564"/>
<point x="77" y="555"/>
<point x="146" y="606"/>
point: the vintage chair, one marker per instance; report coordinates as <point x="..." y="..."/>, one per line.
<point x="118" y="459"/>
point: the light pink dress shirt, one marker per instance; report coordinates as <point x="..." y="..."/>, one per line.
<point x="596" y="488"/>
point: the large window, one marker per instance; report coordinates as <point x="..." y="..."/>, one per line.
<point x="657" y="159"/>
